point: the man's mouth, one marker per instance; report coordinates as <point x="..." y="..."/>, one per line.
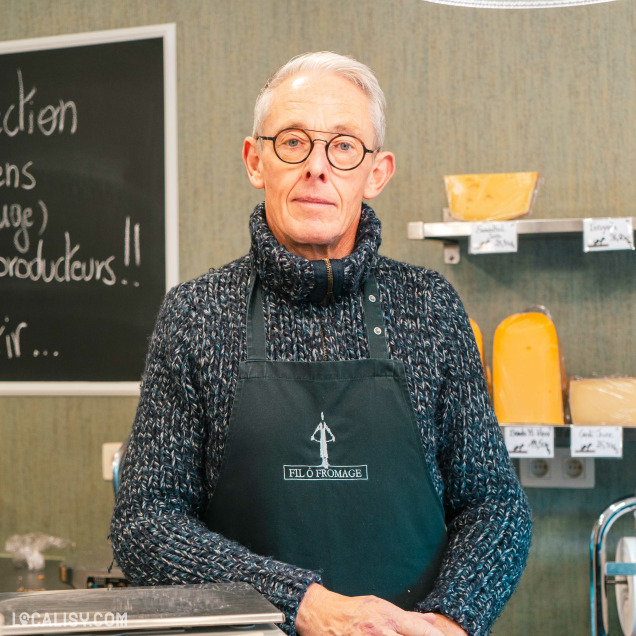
<point x="310" y="200"/>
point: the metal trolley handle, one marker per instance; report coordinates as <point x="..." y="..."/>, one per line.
<point x="601" y="569"/>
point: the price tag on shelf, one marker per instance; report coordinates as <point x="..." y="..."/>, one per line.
<point x="602" y="235"/>
<point x="596" y="441"/>
<point x="493" y="238"/>
<point x="529" y="441"/>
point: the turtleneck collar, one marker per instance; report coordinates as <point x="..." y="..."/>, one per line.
<point x="302" y="280"/>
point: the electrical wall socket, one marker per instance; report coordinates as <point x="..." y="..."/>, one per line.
<point x="108" y="452"/>
<point x="562" y="471"/>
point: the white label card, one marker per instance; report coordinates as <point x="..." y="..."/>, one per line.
<point x="493" y="238"/>
<point x="602" y="235"/>
<point x="529" y="441"/>
<point x="596" y="441"/>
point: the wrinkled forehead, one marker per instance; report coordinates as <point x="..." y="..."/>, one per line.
<point x="320" y="101"/>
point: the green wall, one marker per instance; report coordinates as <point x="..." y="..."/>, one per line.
<point x="468" y="91"/>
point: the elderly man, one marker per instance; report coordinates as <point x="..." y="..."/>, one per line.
<point x="314" y="418"/>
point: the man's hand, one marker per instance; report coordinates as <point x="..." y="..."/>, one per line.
<point x="325" y="613"/>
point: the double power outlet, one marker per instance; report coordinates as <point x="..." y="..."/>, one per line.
<point x="561" y="471"/>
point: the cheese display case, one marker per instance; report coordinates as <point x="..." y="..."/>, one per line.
<point x="587" y="402"/>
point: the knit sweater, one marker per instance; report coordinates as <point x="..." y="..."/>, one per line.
<point x="178" y="438"/>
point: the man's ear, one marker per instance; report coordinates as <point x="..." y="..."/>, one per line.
<point x="383" y="169"/>
<point x="252" y="161"/>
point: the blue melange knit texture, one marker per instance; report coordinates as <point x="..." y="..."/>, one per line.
<point x="179" y="434"/>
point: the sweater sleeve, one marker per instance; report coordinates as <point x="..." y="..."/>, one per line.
<point x="487" y="513"/>
<point x="157" y="534"/>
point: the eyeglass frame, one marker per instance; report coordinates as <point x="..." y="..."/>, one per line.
<point x="313" y="141"/>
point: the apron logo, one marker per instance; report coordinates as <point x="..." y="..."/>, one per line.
<point x="323" y="435"/>
<point x="322" y="430"/>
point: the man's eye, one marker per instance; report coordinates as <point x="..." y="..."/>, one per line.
<point x="344" y="146"/>
<point x="292" y="143"/>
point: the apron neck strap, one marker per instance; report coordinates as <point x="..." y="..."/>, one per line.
<point x="255" y="321"/>
<point x="372" y="317"/>
<point x="374" y="320"/>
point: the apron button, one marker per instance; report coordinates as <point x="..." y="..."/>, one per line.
<point x="377" y="331"/>
<point x="372" y="298"/>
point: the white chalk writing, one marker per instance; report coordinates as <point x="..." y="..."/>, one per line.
<point x="34" y="251"/>
<point x="23" y="116"/>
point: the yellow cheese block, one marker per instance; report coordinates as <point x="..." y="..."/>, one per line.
<point x="527" y="371"/>
<point x="603" y="401"/>
<point x="490" y="197"/>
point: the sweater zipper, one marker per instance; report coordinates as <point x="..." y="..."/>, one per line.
<point x="329" y="295"/>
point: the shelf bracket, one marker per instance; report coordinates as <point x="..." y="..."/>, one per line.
<point x="451" y="252"/>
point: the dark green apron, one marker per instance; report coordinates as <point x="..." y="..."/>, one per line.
<point x="324" y="468"/>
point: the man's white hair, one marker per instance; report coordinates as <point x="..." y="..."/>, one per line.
<point x="326" y="62"/>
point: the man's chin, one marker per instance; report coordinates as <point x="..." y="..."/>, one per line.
<point x="318" y="242"/>
<point x="313" y="245"/>
<point x="316" y="231"/>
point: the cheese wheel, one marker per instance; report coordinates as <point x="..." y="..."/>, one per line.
<point x="603" y="401"/>
<point x="527" y="371"/>
<point x="490" y="197"/>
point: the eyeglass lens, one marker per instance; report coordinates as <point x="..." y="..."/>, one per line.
<point x="343" y="151"/>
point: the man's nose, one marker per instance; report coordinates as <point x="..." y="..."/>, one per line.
<point x="317" y="164"/>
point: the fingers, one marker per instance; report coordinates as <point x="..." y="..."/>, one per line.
<point x="324" y="612"/>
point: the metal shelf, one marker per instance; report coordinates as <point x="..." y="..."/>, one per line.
<point x="562" y="432"/>
<point x="452" y="232"/>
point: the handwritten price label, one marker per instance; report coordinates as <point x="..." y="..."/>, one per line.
<point x="596" y="441"/>
<point x="493" y="238"/>
<point x="529" y="441"/>
<point x="602" y="235"/>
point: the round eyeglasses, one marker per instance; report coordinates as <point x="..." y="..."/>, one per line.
<point x="294" y="145"/>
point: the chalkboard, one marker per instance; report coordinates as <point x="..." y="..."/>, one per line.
<point x="88" y="207"/>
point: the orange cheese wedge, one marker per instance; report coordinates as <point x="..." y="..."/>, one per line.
<point x="490" y="197"/>
<point x="479" y="340"/>
<point x="603" y="401"/>
<point x="480" y="346"/>
<point x="527" y="371"/>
